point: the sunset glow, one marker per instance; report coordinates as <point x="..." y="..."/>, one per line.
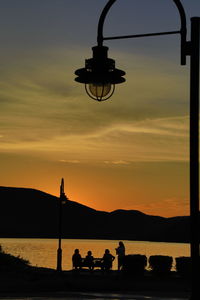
<point x="130" y="152"/>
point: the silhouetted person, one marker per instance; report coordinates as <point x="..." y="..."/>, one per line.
<point x="76" y="259"/>
<point x="120" y="251"/>
<point x="107" y="260"/>
<point x="89" y="260"/>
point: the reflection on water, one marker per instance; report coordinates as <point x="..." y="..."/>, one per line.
<point x="43" y="252"/>
<point x="98" y="296"/>
<point x="115" y="296"/>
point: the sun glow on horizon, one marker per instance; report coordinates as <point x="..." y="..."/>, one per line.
<point x="130" y="152"/>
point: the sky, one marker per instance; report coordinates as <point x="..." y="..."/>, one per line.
<point x="129" y="152"/>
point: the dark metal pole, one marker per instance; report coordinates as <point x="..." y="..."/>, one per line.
<point x="59" y="251"/>
<point x="194" y="156"/>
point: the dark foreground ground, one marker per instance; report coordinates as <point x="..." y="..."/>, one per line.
<point x="47" y="282"/>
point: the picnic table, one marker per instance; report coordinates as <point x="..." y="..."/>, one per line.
<point x="97" y="263"/>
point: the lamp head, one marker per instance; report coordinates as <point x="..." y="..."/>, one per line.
<point x="100" y="75"/>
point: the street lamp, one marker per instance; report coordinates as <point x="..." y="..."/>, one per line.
<point x="101" y="75"/>
<point x="62" y="200"/>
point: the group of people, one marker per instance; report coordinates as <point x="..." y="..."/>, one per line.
<point x="106" y="261"/>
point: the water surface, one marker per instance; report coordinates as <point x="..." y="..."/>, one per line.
<point x="43" y="252"/>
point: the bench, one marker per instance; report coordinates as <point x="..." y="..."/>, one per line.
<point x="97" y="263"/>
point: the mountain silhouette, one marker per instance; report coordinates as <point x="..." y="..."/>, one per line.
<point x="32" y="213"/>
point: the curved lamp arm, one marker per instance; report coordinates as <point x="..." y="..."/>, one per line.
<point x="101" y="22"/>
<point x="182" y="31"/>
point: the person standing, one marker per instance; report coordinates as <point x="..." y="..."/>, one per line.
<point x="120" y="251"/>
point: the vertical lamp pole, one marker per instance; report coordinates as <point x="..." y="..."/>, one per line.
<point x="194" y="155"/>
<point x="100" y="74"/>
<point x="62" y="200"/>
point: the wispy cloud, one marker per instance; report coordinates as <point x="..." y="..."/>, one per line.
<point x="116" y="162"/>
<point x="72" y="161"/>
<point x="175" y="206"/>
<point x="44" y="110"/>
<point x="153" y="140"/>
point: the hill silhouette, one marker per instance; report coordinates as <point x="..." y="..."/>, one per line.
<point x="32" y="213"/>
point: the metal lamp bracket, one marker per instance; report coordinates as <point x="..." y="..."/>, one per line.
<point x="185" y="46"/>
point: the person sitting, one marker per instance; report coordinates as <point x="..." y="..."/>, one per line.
<point x="107" y="260"/>
<point x="89" y="260"/>
<point x="76" y="259"/>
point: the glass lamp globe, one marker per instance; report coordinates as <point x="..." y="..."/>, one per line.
<point x="100" y="91"/>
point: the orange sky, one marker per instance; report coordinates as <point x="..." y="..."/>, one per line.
<point x="130" y="152"/>
<point x="157" y="188"/>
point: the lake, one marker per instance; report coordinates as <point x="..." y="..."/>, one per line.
<point x="43" y="252"/>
